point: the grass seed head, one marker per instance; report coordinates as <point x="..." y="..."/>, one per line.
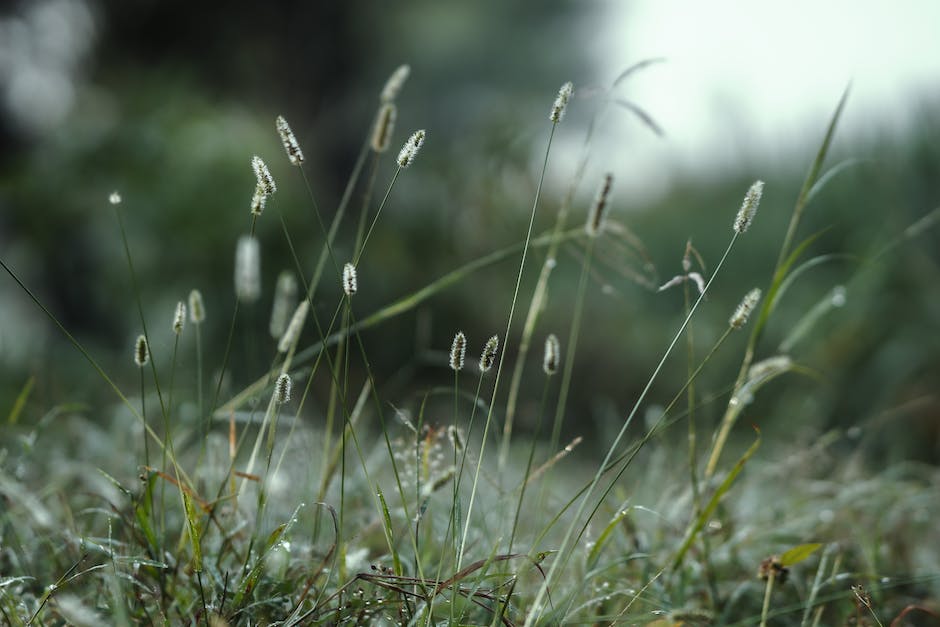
<point x="749" y="207"/>
<point x="292" y="334"/>
<point x="197" y="311"/>
<point x="285" y="300"/>
<point x="179" y="317"/>
<point x="282" y="389"/>
<point x="410" y="150"/>
<point x="141" y="351"/>
<point x="258" y="200"/>
<point x="552" y="354"/>
<point x="384" y="125"/>
<point x="291" y="146"/>
<point x="394" y="83"/>
<point x="248" y="269"/>
<point x="458" y="351"/>
<point x="350" y="279"/>
<point x="488" y="356"/>
<point x="598" y="214"/>
<point x="561" y="102"/>
<point x="114" y="198"/>
<point x="263" y="174"/>
<point x="745" y="309"/>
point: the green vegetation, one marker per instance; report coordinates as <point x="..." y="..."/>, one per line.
<point x="289" y="478"/>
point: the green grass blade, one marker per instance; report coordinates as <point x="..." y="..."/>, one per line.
<point x="20" y="401"/>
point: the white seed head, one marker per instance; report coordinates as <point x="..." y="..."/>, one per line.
<point x="197" y="311"/>
<point x="291" y="146"/>
<point x="488" y="356"/>
<point x="350" y="279"/>
<point x="561" y="102"/>
<point x="141" y="351"/>
<point x="745" y="309"/>
<point x="296" y="326"/>
<point x="285" y="300"/>
<point x="248" y="269"/>
<point x="179" y="317"/>
<point x="114" y="198"/>
<point x="258" y="200"/>
<point x="263" y="174"/>
<point x="552" y="355"/>
<point x="410" y="150"/>
<point x="394" y="83"/>
<point x="384" y="125"/>
<point x="282" y="389"/>
<point x="458" y="351"/>
<point x="597" y="217"/>
<point x="749" y="207"/>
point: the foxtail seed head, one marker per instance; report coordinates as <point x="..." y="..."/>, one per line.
<point x="114" y="198"/>
<point x="263" y="174"/>
<point x="258" y="200"/>
<point x="292" y="334"/>
<point x="458" y="351"/>
<point x="488" y="356"/>
<point x="552" y="355"/>
<point x="598" y="214"/>
<point x="350" y="279"/>
<point x="248" y="269"/>
<point x="384" y="125"/>
<point x="745" y="309"/>
<point x="285" y="299"/>
<point x="749" y="207"/>
<point x="410" y="150"/>
<point x="197" y="312"/>
<point x="141" y="351"/>
<point x="291" y="146"/>
<point x="179" y="317"/>
<point x="394" y="83"/>
<point x="282" y="389"/>
<point x="561" y="102"/>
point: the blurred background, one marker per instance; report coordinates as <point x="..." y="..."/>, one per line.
<point x="166" y="102"/>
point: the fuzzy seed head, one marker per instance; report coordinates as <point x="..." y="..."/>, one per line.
<point x="384" y="125"/>
<point x="282" y="389"/>
<point x="552" y="355"/>
<point x="291" y="146"/>
<point x="410" y="150"/>
<point x="458" y="351"/>
<point x="561" y="102"/>
<point x="285" y="300"/>
<point x="114" y="198"/>
<point x="141" y="351"/>
<point x="597" y="217"/>
<point x="350" y="279"/>
<point x="749" y="207"/>
<point x="488" y="356"/>
<point x="263" y="174"/>
<point x="179" y="317"/>
<point x="745" y="309"/>
<point x="258" y="200"/>
<point x="394" y="83"/>
<point x="248" y="269"/>
<point x="292" y="334"/>
<point x="197" y="311"/>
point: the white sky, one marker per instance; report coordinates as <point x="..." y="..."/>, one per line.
<point x="758" y="79"/>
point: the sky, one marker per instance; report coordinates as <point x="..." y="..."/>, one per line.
<point x="757" y="81"/>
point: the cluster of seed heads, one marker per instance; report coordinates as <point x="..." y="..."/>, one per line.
<point x="597" y="217"/>
<point x="282" y="389"/>
<point x="291" y="146"/>
<point x="458" y="351"/>
<point x="745" y="309"/>
<point x="264" y="186"/>
<point x="552" y="355"/>
<point x="410" y="150"/>
<point x="350" y="279"/>
<point x="561" y="102"/>
<point x="748" y="208"/>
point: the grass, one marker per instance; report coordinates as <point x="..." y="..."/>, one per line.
<point x="277" y="503"/>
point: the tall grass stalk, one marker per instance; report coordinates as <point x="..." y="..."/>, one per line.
<point x="566" y="546"/>
<point x="499" y="368"/>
